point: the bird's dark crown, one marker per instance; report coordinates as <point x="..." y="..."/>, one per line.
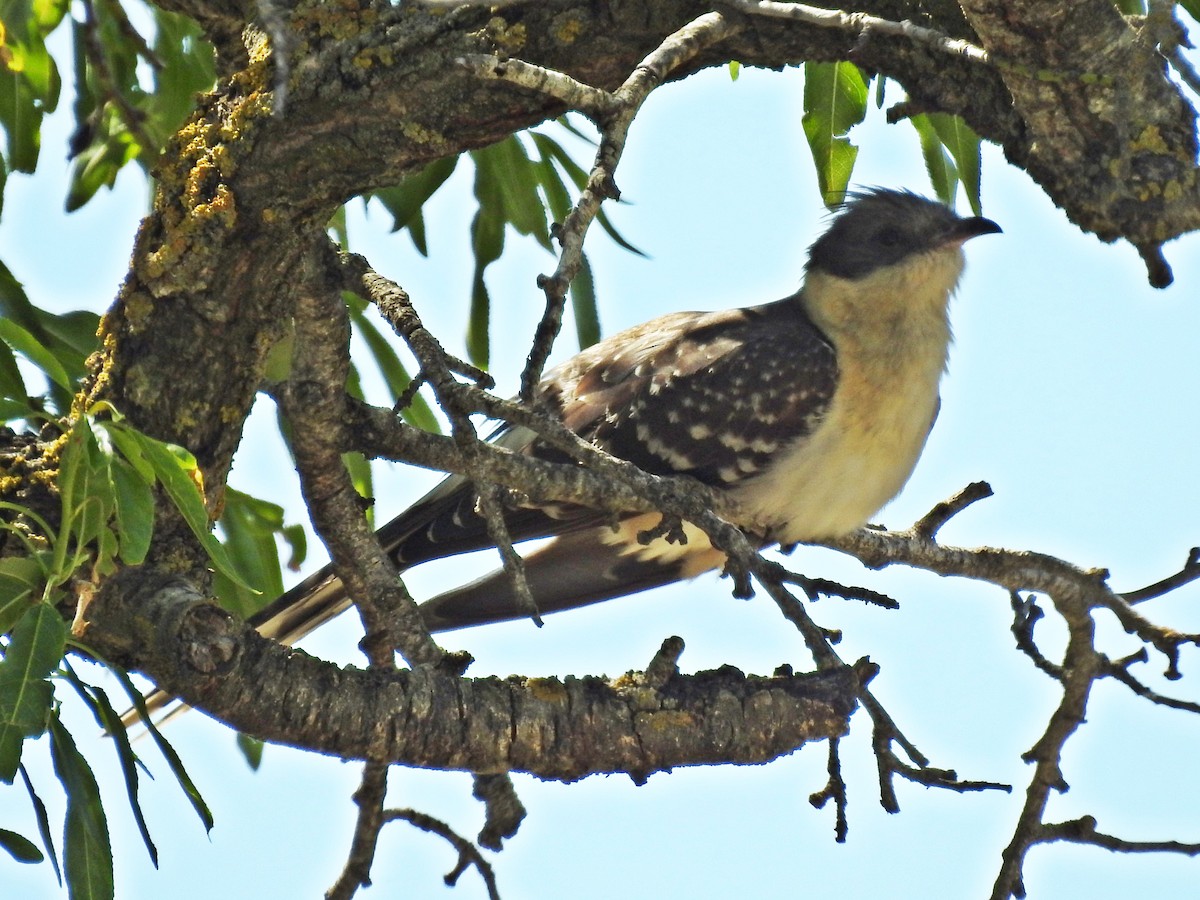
<point x="879" y="227"/>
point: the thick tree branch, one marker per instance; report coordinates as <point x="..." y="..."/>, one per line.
<point x="554" y="729"/>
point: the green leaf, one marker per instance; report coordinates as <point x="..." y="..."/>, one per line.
<point x="43" y="820"/>
<point x="188" y="67"/>
<point x="109" y="720"/>
<point x="29" y="79"/>
<point x="1192" y="7"/>
<point x="551" y="150"/>
<point x="583" y="304"/>
<point x="252" y="750"/>
<point x="173" y="467"/>
<point x="19" y="847"/>
<point x="21" y="581"/>
<point x="735" y="69"/>
<point x="943" y="174"/>
<point x="88" y="504"/>
<point x="87" y="851"/>
<point x="249" y="526"/>
<point x="406" y="200"/>
<point x="487" y="242"/>
<point x="29" y="347"/>
<point x="34" y="652"/>
<point x="835" y="100"/>
<point x="135" y="511"/>
<point x="506" y="185"/>
<point x="164" y="747"/>
<point x="12" y="385"/>
<point x="359" y="468"/>
<point x="963" y="144"/>
<point x="98" y="164"/>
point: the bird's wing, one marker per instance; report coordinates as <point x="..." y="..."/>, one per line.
<point x="714" y="396"/>
<point x="710" y="395"/>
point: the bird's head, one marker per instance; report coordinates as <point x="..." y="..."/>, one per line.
<point x="887" y="253"/>
<point x="880" y="228"/>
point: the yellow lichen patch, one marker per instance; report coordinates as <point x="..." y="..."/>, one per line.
<point x="1150" y="139"/>
<point x="510" y="38"/>
<point x="547" y="690"/>
<point x="567" y="30"/>
<point x="341" y="20"/>
<point x="419" y="134"/>
<point x="137" y="306"/>
<point x="369" y="56"/>
<point x="666" y="720"/>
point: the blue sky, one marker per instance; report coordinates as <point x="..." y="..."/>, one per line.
<point x="1071" y="389"/>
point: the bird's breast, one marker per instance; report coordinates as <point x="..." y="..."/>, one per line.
<point x="860" y="455"/>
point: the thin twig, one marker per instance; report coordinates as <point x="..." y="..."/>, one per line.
<point x="1189" y="573"/>
<point x="369" y="798"/>
<point x="468" y="854"/>
<point x="613" y="114"/>
<point x="439" y="368"/>
<point x="861" y="23"/>
<point x="1083" y="831"/>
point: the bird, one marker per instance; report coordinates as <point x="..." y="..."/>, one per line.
<point x="810" y="412"/>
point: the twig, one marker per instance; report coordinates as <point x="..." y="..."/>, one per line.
<point x="468" y="853"/>
<point x="1026" y="614"/>
<point x="862" y="23"/>
<point x="931" y="523"/>
<point x="313" y="400"/>
<point x="369" y="798"/>
<point x="1189" y="573"/>
<point x="665" y="664"/>
<point x="1166" y="31"/>
<point x="439" y="367"/>
<point x="504" y="810"/>
<point x="98" y="59"/>
<point x="613" y="114"/>
<point x="1119" y="669"/>
<point x="1083" y="831"/>
<point x="835" y="790"/>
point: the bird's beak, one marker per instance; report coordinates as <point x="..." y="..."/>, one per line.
<point x="965" y="229"/>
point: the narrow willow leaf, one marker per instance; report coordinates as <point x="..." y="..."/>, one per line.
<point x="20" y="847"/>
<point x="164" y="747"/>
<point x="22" y="579"/>
<point x="33" y="652"/>
<point x="406" y="201"/>
<point x="583" y="305"/>
<point x="12" y="384"/>
<point x="135" y="512"/>
<point x="359" y="468"/>
<point x="550" y="149"/>
<point x="505" y="181"/>
<point x="109" y="720"/>
<point x="43" y="820"/>
<point x="392" y="369"/>
<point x="942" y="172"/>
<point x="487" y="242"/>
<point x="963" y="144"/>
<point x="33" y="350"/>
<point x="252" y="750"/>
<point x="87" y="852"/>
<point x="173" y="467"/>
<point x="835" y="100"/>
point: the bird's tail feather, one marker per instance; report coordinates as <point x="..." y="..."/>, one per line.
<point x="573" y="570"/>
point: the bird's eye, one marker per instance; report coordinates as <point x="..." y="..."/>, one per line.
<point x="888" y="237"/>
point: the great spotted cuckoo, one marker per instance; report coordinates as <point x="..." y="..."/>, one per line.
<point x="810" y="412"/>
